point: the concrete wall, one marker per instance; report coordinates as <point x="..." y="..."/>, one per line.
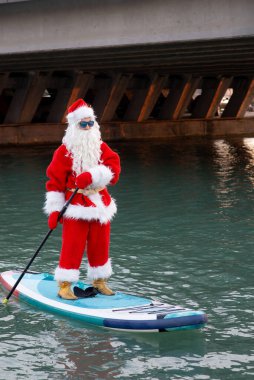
<point x="62" y="24"/>
<point x="53" y="133"/>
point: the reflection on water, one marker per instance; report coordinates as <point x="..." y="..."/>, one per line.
<point x="183" y="234"/>
<point x="225" y="161"/>
<point x="248" y="145"/>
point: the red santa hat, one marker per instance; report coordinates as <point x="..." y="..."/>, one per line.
<point x="79" y="110"/>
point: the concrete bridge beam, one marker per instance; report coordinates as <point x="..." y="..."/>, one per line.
<point x="60" y="24"/>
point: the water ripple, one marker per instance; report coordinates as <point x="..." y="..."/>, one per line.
<point x="183" y="234"/>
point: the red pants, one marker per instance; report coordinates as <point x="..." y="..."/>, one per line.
<point x="79" y="235"/>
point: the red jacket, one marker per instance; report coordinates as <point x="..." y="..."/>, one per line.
<point x="99" y="206"/>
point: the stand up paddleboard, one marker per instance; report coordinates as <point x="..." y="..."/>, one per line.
<point x="121" y="311"/>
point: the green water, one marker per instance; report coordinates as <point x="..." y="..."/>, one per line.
<point x="183" y="234"/>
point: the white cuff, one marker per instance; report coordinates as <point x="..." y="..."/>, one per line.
<point x="101" y="175"/>
<point x="54" y="202"/>
<point x="70" y="275"/>
<point x="103" y="271"/>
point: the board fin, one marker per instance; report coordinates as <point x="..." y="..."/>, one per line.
<point x="85" y="293"/>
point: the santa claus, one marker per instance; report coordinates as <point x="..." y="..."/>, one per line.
<point x="82" y="161"/>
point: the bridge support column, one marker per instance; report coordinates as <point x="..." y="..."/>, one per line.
<point x="4" y="77"/>
<point x="26" y="98"/>
<point x="102" y="91"/>
<point x="154" y="91"/>
<point x="81" y="85"/>
<point x="64" y="87"/>
<point x="204" y="101"/>
<point x="179" y="97"/>
<point x="223" y="85"/>
<point x="117" y="91"/>
<point x="137" y="96"/>
<point x="243" y="93"/>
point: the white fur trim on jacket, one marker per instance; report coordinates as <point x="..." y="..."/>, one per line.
<point x="101" y="212"/>
<point x="101" y="175"/>
<point x="80" y="113"/>
<point x="71" y="275"/>
<point x="104" y="271"/>
<point x="55" y="201"/>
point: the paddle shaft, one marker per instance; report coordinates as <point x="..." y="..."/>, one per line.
<point x="39" y="248"/>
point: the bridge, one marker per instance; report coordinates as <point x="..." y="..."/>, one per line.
<point x="149" y="68"/>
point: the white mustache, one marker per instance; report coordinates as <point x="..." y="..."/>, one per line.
<point x="84" y="146"/>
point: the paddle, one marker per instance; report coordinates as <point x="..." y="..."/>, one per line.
<point x="5" y="300"/>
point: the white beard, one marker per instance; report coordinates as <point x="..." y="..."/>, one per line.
<point x="84" y="146"/>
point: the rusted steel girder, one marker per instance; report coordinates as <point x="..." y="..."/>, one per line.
<point x="44" y="96"/>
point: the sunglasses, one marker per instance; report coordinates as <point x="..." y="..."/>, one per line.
<point x="84" y="124"/>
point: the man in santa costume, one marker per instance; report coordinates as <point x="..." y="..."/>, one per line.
<point x="82" y="161"/>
